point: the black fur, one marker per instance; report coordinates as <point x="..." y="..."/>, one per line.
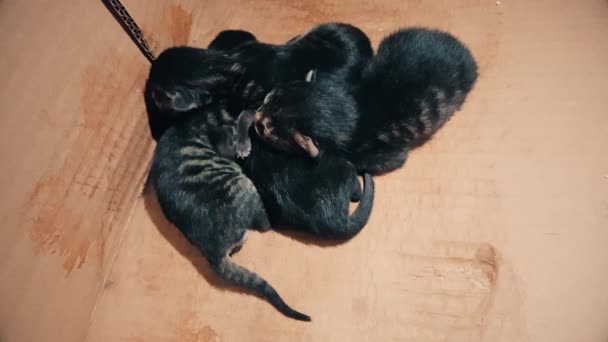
<point x="184" y="78"/>
<point x="209" y="199"/>
<point x="175" y="68"/>
<point x="303" y="194"/>
<point x="231" y="39"/>
<point x="417" y="80"/>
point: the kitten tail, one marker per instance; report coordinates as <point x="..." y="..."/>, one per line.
<point x="360" y="216"/>
<point x="244" y="278"/>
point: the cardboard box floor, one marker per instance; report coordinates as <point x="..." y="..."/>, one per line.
<point x="493" y="231"/>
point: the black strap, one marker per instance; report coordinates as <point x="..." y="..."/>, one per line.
<point x="128" y="24"/>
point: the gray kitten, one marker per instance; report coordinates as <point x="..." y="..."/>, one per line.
<point x="203" y="191"/>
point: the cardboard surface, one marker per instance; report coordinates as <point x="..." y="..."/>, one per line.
<point x="493" y="231"/>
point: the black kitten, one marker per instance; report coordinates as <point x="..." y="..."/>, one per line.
<point x="298" y="201"/>
<point x="418" y="79"/>
<point x="185" y="78"/>
<point x="303" y="194"/>
<point x="207" y="196"/>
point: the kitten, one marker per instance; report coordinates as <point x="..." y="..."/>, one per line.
<point x="239" y="72"/>
<point x="206" y="195"/>
<point x="289" y="205"/>
<point x="416" y="82"/>
<point x="312" y="196"/>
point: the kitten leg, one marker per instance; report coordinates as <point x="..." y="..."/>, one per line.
<point x="242" y="142"/>
<point x="223" y="141"/>
<point x="259" y="218"/>
<point x="262" y="223"/>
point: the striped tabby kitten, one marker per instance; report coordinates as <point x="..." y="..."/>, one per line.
<point x="204" y="192"/>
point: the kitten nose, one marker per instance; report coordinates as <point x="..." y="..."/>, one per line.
<point x="258" y="114"/>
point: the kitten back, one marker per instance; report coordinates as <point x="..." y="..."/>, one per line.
<point x="417" y="80"/>
<point x="211" y="201"/>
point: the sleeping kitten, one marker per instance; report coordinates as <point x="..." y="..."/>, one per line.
<point x="416" y="82"/>
<point x="238" y="71"/>
<point x="206" y="195"/>
<point x="294" y="190"/>
<point x="311" y="196"/>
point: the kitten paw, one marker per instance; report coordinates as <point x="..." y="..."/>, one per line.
<point x="243" y="149"/>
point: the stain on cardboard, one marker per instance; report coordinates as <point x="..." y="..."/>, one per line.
<point x="486" y="259"/>
<point x="360" y="305"/>
<point x="452" y="285"/>
<point x="77" y="258"/>
<point x="180" y="25"/>
<point x="207" y="334"/>
<point x="108" y="284"/>
<point x="174" y="22"/>
<point x="73" y="208"/>
<point x="188" y="329"/>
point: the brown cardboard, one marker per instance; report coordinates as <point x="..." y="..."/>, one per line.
<point x="493" y="231"/>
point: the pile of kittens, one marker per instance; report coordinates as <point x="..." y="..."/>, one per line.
<point x="253" y="135"/>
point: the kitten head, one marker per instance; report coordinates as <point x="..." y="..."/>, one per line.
<point x="183" y="78"/>
<point x="284" y="119"/>
<point x="231" y="39"/>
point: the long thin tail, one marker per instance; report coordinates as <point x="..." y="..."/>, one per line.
<point x="350" y="227"/>
<point x="244" y="278"/>
<point x="360" y="216"/>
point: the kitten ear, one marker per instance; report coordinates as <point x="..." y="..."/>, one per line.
<point x="307" y="144"/>
<point x="311" y="76"/>
<point x="179" y="102"/>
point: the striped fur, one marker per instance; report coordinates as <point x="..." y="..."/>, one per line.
<point x="206" y="195"/>
<point x="416" y="82"/>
